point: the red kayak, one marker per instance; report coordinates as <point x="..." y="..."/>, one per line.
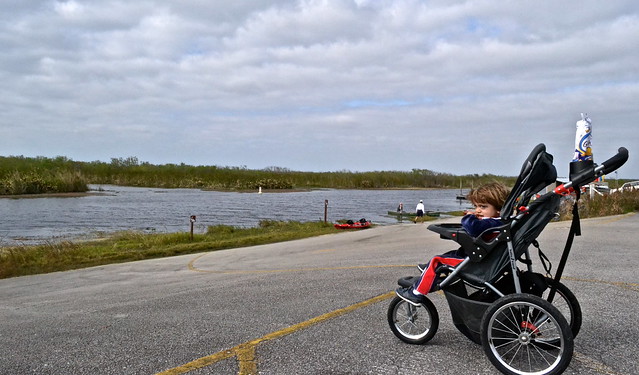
<point x="354" y="225"/>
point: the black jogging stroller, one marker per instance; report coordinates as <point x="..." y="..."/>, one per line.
<point x="525" y="321"/>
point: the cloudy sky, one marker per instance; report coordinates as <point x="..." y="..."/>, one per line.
<point x="361" y="85"/>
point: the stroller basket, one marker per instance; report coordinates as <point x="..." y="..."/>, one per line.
<point x="466" y="313"/>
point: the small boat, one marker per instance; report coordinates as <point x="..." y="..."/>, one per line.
<point x="461" y="196"/>
<point x="402" y="213"/>
<point x="362" y="224"/>
<point x="413" y="214"/>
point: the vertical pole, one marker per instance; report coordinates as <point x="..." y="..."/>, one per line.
<point x="192" y="220"/>
<point x="325" y="210"/>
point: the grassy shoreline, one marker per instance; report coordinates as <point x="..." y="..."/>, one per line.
<point x="131" y="246"/>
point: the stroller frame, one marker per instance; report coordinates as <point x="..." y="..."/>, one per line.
<point x="525" y="321"/>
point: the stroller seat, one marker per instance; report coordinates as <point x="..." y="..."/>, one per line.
<point x="489" y="259"/>
<point x="477" y="248"/>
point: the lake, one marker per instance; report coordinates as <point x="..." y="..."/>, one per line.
<point x="116" y="208"/>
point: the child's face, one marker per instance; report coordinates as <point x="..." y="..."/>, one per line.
<point x="483" y="210"/>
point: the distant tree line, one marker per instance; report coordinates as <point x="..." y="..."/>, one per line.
<point x="25" y="175"/>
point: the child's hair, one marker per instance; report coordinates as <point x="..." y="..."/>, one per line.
<point x="494" y="193"/>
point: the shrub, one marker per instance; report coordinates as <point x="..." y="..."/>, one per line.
<point x="612" y="204"/>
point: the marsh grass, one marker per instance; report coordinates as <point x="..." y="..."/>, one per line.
<point x="19" y="183"/>
<point x="130" y="246"/>
<point x="24" y="175"/>
<point x="606" y="205"/>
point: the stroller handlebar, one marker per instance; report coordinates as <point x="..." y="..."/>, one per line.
<point x="616" y="161"/>
<point x="586" y="176"/>
<point x="608" y="166"/>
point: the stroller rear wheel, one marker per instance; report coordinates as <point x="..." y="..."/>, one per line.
<point x="524" y="334"/>
<point x="413" y="324"/>
<point x="566" y="302"/>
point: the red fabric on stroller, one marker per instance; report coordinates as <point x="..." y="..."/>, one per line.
<point x="427" y="280"/>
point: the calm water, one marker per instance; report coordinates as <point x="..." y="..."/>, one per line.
<point x="35" y="220"/>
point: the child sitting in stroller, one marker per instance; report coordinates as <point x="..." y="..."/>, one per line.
<point x="488" y="200"/>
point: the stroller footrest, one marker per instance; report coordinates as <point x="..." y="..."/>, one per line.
<point x="407" y="281"/>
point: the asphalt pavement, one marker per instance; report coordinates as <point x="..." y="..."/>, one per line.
<point x="312" y="306"/>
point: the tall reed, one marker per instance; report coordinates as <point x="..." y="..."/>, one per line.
<point x="34" y="182"/>
<point x="602" y="205"/>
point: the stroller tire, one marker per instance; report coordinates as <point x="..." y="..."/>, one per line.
<point x="566" y="302"/>
<point x="524" y="334"/>
<point x="413" y="324"/>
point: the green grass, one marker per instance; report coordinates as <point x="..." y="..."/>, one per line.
<point x="131" y="246"/>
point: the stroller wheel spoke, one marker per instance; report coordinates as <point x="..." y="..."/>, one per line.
<point x="544" y="354"/>
<point x="507" y="328"/>
<point x="508" y="347"/>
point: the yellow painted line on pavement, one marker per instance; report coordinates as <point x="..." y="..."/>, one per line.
<point x="594" y="365"/>
<point x="245" y="352"/>
<point x="246" y="359"/>
<point x="193" y="268"/>
<point x="629" y="286"/>
<point x="611" y="219"/>
<point x="323" y="251"/>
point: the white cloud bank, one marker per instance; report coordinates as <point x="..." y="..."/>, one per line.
<point x="451" y="86"/>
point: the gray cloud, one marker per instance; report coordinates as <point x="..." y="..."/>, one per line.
<point x="319" y="85"/>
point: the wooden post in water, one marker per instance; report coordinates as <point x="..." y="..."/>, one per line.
<point x="325" y="210"/>
<point x="192" y="220"/>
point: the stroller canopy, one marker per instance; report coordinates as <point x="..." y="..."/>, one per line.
<point x="536" y="173"/>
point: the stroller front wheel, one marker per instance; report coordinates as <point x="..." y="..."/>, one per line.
<point x="524" y="334"/>
<point x="413" y="324"/>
